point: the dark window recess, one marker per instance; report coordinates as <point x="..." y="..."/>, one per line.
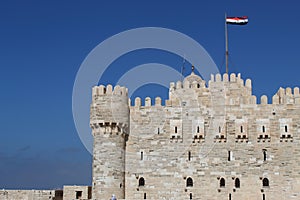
<point x="264" y="197"/>
<point x="229" y="196"/>
<point x="145" y="196"/>
<point x="229" y="155"/>
<point x="141" y="181"/>
<point x="265" y="182"/>
<point x="175" y="129"/>
<point x="191" y="196"/>
<point x="198" y="129"/>
<point x="219" y="129"/>
<point x="189" y="157"/>
<point x="286" y="128"/>
<point x="242" y="129"/>
<point x="78" y="194"/>
<point x="237" y="183"/>
<point x="222" y="182"/>
<point x="263" y="129"/>
<point x="158" y="131"/>
<point x="142" y="155"/>
<point x="265" y="154"/>
<point x="189" y="182"/>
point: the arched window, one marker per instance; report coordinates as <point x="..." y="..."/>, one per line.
<point x="189" y="182"/>
<point x="222" y="182"/>
<point x="237" y="183"/>
<point x="265" y="182"/>
<point x="265" y="154"/>
<point x="141" y="181"/>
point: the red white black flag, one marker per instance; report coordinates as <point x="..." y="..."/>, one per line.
<point x="237" y="20"/>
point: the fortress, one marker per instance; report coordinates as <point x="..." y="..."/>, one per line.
<point x="209" y="141"/>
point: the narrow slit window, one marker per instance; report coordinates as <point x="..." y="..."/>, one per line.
<point x="191" y="196"/>
<point x="142" y="155"/>
<point x="264" y="197"/>
<point x="229" y="196"/>
<point x="263" y="129"/>
<point x="242" y="129"/>
<point x="222" y="182"/>
<point x="237" y="183"/>
<point x="198" y="129"/>
<point x="158" y="131"/>
<point x="145" y="196"/>
<point x="265" y="154"/>
<point x="219" y="129"/>
<point x="189" y="156"/>
<point x="175" y="129"/>
<point x="286" y="128"/>
<point x="229" y="155"/>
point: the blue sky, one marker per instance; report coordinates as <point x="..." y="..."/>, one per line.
<point x="43" y="43"/>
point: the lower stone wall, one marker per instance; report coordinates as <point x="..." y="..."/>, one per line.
<point x="27" y="195"/>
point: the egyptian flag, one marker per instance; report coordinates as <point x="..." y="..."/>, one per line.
<point x="237" y="20"/>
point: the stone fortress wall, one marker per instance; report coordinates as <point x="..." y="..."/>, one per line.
<point x="206" y="142"/>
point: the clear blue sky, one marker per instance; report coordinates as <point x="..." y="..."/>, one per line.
<point x="43" y="43"/>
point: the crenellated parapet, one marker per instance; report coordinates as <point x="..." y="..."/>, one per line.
<point x="287" y="96"/>
<point x="232" y="79"/>
<point x="147" y="102"/>
<point x="109" y="90"/>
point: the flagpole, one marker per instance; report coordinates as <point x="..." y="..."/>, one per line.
<point x="226" y="44"/>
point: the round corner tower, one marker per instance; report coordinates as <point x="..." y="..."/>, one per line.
<point x="109" y="120"/>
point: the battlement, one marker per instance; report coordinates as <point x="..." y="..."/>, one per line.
<point x="109" y="90"/>
<point x="147" y="102"/>
<point x="287" y="96"/>
<point x="233" y="78"/>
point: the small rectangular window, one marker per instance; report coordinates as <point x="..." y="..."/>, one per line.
<point x="142" y="155"/>
<point x="229" y="155"/>
<point x="175" y="129"/>
<point x="145" y="196"/>
<point x="78" y="194"/>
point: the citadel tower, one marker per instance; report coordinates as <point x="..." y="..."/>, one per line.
<point x="109" y="121"/>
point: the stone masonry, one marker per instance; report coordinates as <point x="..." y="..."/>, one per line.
<point x="209" y="141"/>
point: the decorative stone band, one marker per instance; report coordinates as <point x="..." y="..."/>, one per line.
<point x="101" y="127"/>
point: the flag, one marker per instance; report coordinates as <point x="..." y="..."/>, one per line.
<point x="237" y="20"/>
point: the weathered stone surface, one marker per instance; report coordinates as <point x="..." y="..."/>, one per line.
<point x="204" y="133"/>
